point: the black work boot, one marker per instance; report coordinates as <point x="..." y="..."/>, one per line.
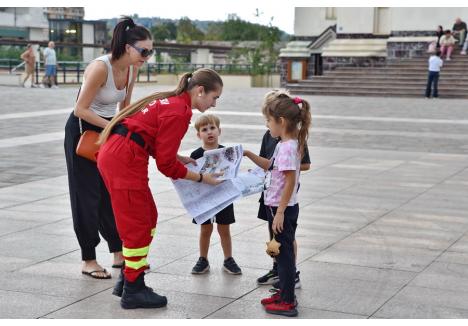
<point x="138" y="295"/>
<point x="118" y="287"/>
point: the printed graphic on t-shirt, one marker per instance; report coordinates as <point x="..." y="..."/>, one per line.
<point x="286" y="158"/>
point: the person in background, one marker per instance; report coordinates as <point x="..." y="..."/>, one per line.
<point x="447" y="43"/>
<point x="459" y="30"/>
<point x="435" y="63"/>
<point x="50" y="62"/>
<point x="29" y="64"/>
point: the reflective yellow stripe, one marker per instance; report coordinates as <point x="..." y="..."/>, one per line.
<point x="136" y="252"/>
<point x="153" y="231"/>
<point x="136" y="264"/>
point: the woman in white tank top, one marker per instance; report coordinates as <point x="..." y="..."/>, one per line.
<point x="108" y="81"/>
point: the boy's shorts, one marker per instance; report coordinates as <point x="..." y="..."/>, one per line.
<point x="224" y="217"/>
<point x="51" y="70"/>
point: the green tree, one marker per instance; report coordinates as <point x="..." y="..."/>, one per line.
<point x="164" y="31"/>
<point x="187" y="31"/>
<point x="214" y="32"/>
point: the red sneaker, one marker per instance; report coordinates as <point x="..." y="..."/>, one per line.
<point x="282" y="308"/>
<point x="276" y="297"/>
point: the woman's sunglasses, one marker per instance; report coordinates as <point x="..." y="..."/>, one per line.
<point x="143" y="52"/>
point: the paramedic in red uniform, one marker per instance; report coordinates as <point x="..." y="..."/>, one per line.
<point x="153" y="126"/>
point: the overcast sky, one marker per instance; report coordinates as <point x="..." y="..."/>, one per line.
<point x="202" y="10"/>
<point x="281" y="10"/>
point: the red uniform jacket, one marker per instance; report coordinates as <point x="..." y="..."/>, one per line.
<point x="162" y="124"/>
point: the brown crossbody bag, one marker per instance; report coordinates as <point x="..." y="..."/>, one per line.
<point x="87" y="145"/>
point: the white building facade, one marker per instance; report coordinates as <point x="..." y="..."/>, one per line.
<point x="366" y="36"/>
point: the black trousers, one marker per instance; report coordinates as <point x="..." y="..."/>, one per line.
<point x="285" y="260"/>
<point x="432" y="79"/>
<point x="90" y="202"/>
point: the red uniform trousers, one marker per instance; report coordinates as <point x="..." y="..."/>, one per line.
<point x="124" y="167"/>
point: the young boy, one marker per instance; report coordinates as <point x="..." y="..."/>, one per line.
<point x="435" y="63"/>
<point x="207" y="126"/>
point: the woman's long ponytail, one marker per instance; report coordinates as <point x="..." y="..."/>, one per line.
<point x="207" y="78"/>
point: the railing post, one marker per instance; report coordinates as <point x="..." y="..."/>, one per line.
<point x="37" y="72"/>
<point x="64" y="73"/>
<point x="147" y="72"/>
<point x="78" y="72"/>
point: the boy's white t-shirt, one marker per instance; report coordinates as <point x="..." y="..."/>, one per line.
<point x="435" y="63"/>
<point x="286" y="158"/>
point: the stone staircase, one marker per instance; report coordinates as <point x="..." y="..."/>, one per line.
<point x="405" y="78"/>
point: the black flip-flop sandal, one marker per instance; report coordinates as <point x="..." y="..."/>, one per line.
<point x="117" y="265"/>
<point x="92" y="274"/>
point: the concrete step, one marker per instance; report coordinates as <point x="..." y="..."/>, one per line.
<point x="394" y="74"/>
<point x="400" y="69"/>
<point x="373" y="93"/>
<point x="389" y="83"/>
<point x="382" y="87"/>
<point x="402" y="78"/>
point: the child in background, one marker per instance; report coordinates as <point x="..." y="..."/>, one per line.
<point x="207" y="126"/>
<point x="266" y="150"/>
<point x="288" y="118"/>
<point x="435" y="63"/>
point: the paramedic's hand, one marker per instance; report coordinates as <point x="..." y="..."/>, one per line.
<point x="186" y="160"/>
<point x="277" y="226"/>
<point x="212" y="178"/>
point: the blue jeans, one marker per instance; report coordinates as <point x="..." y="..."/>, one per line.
<point x="433" y="79"/>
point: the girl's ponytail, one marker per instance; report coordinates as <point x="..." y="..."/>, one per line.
<point x="207" y="78"/>
<point x="306" y="120"/>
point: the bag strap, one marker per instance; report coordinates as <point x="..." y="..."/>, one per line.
<point x="79" y="119"/>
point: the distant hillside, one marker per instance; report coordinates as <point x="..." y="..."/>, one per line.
<point x="202" y="25"/>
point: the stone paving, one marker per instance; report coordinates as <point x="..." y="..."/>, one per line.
<point x="383" y="228"/>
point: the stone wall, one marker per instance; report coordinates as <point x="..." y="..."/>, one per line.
<point x="406" y="50"/>
<point x="331" y="63"/>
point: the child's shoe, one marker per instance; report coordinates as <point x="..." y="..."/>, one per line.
<point x="297" y="282"/>
<point x="269" y="278"/>
<point x="275" y="297"/>
<point x="231" y="266"/>
<point x="202" y="266"/>
<point x="281" y="308"/>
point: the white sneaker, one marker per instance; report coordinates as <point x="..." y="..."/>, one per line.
<point x="54" y="86"/>
<point x="448" y="59"/>
<point x="41" y="86"/>
<point x="463" y="53"/>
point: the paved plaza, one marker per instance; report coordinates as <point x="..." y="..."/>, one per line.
<point x="383" y="227"/>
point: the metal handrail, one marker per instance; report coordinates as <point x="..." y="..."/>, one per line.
<point x="75" y="69"/>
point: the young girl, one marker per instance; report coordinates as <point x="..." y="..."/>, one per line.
<point x="153" y="126"/>
<point x="288" y="118"/>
